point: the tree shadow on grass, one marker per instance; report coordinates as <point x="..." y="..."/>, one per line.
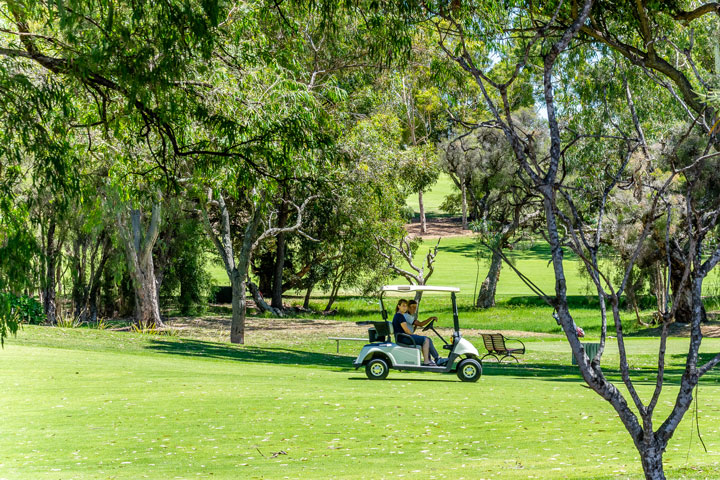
<point x="249" y="354"/>
<point x="571" y="373"/>
<point x="419" y="378"/>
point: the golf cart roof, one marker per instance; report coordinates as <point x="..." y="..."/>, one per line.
<point x="418" y="288"/>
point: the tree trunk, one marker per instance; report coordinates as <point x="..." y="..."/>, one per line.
<point x="277" y="290"/>
<point x="80" y="290"/>
<point x="423" y="224"/>
<point x="49" y="293"/>
<point x="264" y="268"/>
<point x="306" y="302"/>
<point x="138" y="248"/>
<point x="652" y="463"/>
<point x="147" y="305"/>
<point x="683" y="298"/>
<point x="95" y="280"/>
<point x="486" y="297"/>
<point x="463" y="191"/>
<point x="260" y="301"/>
<point x="335" y="288"/>
<point x="237" y="327"/>
<point x="236" y="269"/>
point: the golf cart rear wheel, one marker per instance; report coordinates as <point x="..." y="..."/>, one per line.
<point x="469" y="370"/>
<point x="376" y="369"/>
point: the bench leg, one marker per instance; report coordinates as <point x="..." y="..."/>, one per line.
<point x="510" y="356"/>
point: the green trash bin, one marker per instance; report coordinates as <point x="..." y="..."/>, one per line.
<point x="591" y="350"/>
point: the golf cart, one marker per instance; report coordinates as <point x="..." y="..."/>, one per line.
<point x="382" y="353"/>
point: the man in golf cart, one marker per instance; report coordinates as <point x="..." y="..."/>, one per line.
<point x="404" y="334"/>
<point x="414" y="324"/>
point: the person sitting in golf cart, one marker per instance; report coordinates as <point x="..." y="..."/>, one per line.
<point x="400" y="325"/>
<point x="414" y="323"/>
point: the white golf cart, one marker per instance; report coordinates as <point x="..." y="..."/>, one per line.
<point x="382" y="353"/>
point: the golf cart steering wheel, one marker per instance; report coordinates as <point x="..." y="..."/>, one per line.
<point x="429" y="326"/>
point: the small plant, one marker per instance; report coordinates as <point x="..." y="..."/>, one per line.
<point x="152" y="329"/>
<point x="145" y="329"/>
<point x="101" y="324"/>
<point x="67" y="322"/>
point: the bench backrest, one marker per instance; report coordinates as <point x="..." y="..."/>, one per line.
<point x="494" y="342"/>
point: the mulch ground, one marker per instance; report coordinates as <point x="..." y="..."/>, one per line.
<point x="438" y="228"/>
<point x="262" y="330"/>
<point x="259" y="330"/>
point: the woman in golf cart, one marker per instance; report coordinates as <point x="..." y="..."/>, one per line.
<point x="400" y="325"/>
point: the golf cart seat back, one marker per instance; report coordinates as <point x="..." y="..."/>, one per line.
<point x="380" y="332"/>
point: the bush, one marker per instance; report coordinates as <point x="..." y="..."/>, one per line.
<point x="27" y="309"/>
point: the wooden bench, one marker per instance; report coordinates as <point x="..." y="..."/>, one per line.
<point x="337" y="341"/>
<point x="495" y="343"/>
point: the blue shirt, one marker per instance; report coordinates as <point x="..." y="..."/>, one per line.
<point x="397" y="322"/>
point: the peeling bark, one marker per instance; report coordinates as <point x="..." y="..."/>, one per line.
<point x="138" y="252"/>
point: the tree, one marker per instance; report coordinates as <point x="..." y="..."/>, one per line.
<point x="547" y="174"/>
<point x="237" y="261"/>
<point x="138" y="243"/>
<point x="503" y="210"/>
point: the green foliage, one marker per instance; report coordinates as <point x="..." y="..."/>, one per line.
<point x="185" y="275"/>
<point x="17" y="250"/>
<point x="25" y="308"/>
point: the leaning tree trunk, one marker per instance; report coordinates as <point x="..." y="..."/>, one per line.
<point x="423" y="224"/>
<point x="337" y="283"/>
<point x="308" y="293"/>
<point x="138" y="250"/>
<point x="260" y="302"/>
<point x="486" y="297"/>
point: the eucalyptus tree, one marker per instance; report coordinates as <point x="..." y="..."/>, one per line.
<point x="470" y="41"/>
<point x="39" y="155"/>
<point x="504" y="210"/>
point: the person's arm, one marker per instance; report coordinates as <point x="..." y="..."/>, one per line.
<point x="422" y="324"/>
<point x="406" y="328"/>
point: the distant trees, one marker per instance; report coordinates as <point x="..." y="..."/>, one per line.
<point x="501" y="206"/>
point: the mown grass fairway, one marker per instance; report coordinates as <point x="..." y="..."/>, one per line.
<point x="89" y="404"/>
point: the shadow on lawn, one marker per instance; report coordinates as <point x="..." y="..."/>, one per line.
<point x="277" y="356"/>
<point x="571" y="373"/>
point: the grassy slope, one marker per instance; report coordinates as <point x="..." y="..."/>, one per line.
<point x="119" y="405"/>
<point x="433" y="197"/>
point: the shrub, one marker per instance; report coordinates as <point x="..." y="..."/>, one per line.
<point x="27" y="309"/>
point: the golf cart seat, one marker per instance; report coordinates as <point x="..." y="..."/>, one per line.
<point x="380" y="331"/>
<point x="383" y="332"/>
<point x="414" y="345"/>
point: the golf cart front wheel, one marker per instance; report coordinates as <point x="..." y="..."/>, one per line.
<point x="376" y="369"/>
<point x="469" y="370"/>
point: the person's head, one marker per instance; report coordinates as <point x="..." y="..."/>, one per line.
<point x="412" y="307"/>
<point x="401" y="306"/>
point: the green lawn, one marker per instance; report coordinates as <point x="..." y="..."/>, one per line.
<point x="456" y="265"/>
<point x="90" y="404"/>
